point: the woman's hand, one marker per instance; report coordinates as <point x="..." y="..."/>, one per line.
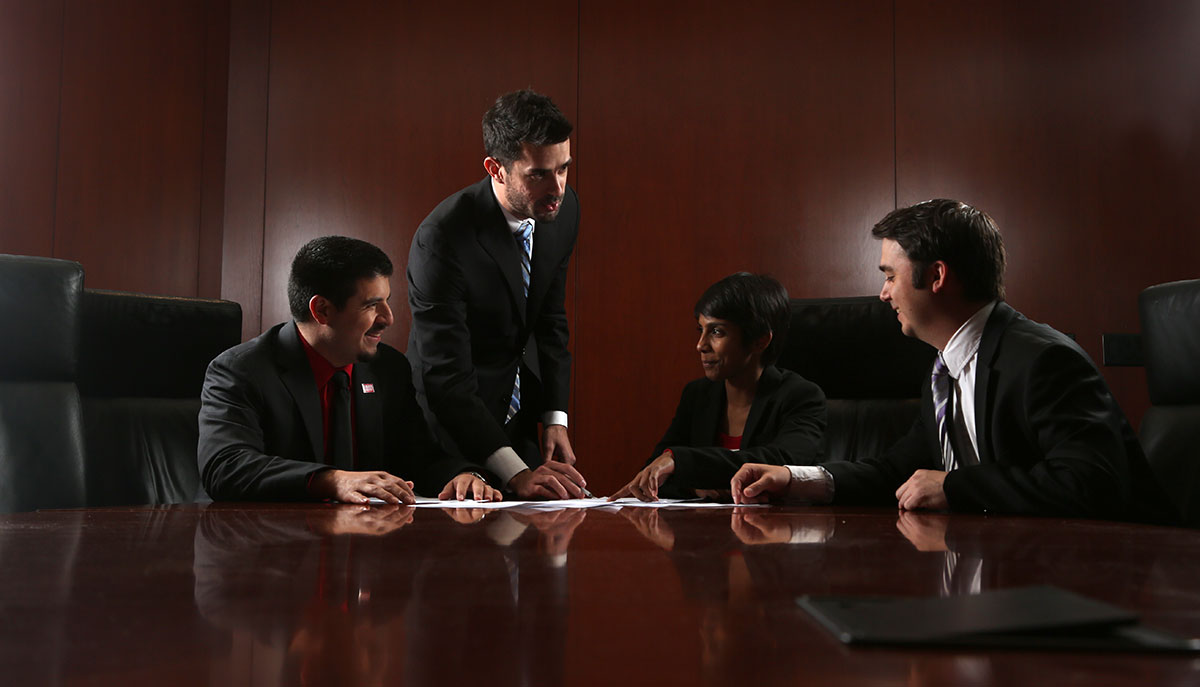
<point x="645" y="485"/>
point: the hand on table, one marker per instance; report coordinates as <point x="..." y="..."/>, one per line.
<point x="757" y="483"/>
<point x="360" y="487"/>
<point x="469" y="486"/>
<point x="644" y="486"/>
<point x="553" y="480"/>
<point x="923" y="491"/>
<point x="556" y="445"/>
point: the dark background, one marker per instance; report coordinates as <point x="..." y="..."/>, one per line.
<point x="189" y="148"/>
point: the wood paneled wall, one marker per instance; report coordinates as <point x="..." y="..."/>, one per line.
<point x="1076" y="125"/>
<point x="30" y="69"/>
<point x="112" y="142"/>
<point x="374" y="117"/>
<point x="710" y="142"/>
<point x="189" y="147"/>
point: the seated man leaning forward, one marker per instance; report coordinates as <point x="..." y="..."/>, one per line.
<point x="1015" y="419"/>
<point x="318" y="408"/>
<point x="744" y="409"/>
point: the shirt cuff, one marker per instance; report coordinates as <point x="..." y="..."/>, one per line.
<point x="554" y="417"/>
<point x="810" y="483"/>
<point x="505" y="463"/>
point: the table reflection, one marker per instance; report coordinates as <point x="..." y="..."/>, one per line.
<point x="348" y="594"/>
<point x="273" y="594"/>
<point x="743" y="583"/>
<point x="314" y="598"/>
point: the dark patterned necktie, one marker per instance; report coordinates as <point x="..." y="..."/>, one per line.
<point x="341" y="437"/>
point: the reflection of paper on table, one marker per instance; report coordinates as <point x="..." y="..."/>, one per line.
<point x="427" y="502"/>
<point x="668" y="503"/>
<point x="598" y="502"/>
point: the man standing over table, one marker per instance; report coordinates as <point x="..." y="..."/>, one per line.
<point x="319" y="408"/>
<point x="1015" y="419"/>
<point x="487" y="277"/>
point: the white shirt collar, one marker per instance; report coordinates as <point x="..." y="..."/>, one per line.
<point x="514" y="224"/>
<point x="962" y="347"/>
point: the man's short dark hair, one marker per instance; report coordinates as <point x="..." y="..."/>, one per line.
<point x="522" y="117"/>
<point x="331" y="266"/>
<point x="964" y="238"/>
<point x="756" y="303"/>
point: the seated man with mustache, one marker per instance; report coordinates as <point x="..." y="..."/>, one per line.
<point x="319" y="408"/>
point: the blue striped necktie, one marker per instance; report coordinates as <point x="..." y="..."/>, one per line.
<point x="942" y="411"/>
<point x="524" y="236"/>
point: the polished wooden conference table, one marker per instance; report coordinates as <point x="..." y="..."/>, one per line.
<point x="240" y="594"/>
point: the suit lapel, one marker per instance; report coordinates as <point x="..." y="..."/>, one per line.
<point x="985" y="376"/>
<point x="708" y="420"/>
<point x="931" y="426"/>
<point x="767" y="383"/>
<point x="494" y="236"/>
<point x="297" y="376"/>
<point x="547" y="253"/>
<point x="368" y="417"/>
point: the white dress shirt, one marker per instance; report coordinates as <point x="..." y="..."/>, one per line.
<point x="961" y="357"/>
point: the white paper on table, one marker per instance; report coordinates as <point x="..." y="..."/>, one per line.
<point x="595" y="502"/>
<point x="676" y="503"/>
<point x="427" y="502"/>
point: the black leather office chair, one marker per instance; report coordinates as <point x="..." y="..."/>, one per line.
<point x="141" y="370"/>
<point x="41" y="437"/>
<point x="1170" y="431"/>
<point x="871" y="373"/>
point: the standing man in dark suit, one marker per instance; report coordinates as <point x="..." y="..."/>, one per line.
<point x="319" y="408"/>
<point x="487" y="275"/>
<point x="1016" y="418"/>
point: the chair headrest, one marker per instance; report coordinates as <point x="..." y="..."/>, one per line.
<point x="853" y="348"/>
<point x="1170" y="316"/>
<point x="39" y="305"/>
<point x="152" y="346"/>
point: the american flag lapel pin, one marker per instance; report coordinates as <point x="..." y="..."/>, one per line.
<point x="368" y="388"/>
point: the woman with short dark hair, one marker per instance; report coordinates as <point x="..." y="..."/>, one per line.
<point x="744" y="410"/>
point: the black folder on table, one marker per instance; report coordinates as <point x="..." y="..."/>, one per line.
<point x="1042" y="617"/>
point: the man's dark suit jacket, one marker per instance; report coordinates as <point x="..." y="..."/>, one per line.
<point x="260" y="422"/>
<point x="472" y="326"/>
<point x="1052" y="440"/>
<point x="785" y="426"/>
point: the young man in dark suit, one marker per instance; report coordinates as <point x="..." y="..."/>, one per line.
<point x="319" y="408"/>
<point x="487" y="277"/>
<point x="1016" y="418"/>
